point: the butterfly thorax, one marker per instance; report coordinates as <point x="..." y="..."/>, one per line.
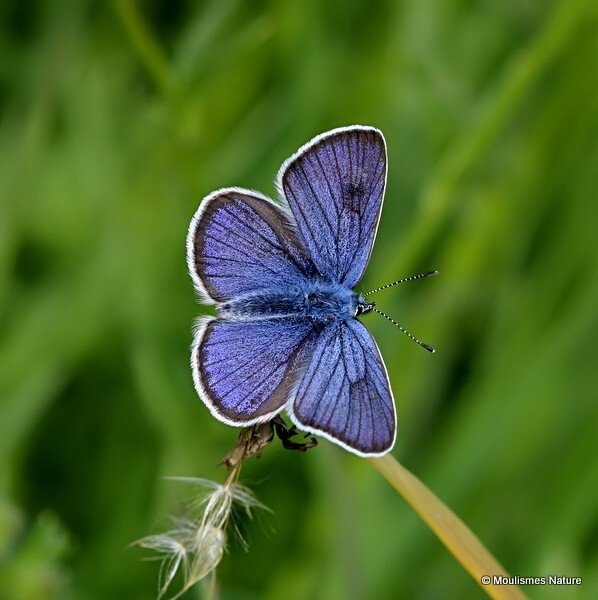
<point x="318" y="301"/>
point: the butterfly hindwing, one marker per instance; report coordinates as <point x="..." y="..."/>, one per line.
<point x="245" y="370"/>
<point x="345" y="394"/>
<point x="335" y="187"/>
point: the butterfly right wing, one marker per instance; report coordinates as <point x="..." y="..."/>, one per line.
<point x="245" y="371"/>
<point x="239" y="242"/>
<point x="344" y="393"/>
<point x="335" y="187"/>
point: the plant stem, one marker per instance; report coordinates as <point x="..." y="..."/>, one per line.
<point x="520" y="76"/>
<point x="147" y="46"/>
<point x="453" y="533"/>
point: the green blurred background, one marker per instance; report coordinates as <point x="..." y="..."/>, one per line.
<point x="116" y="118"/>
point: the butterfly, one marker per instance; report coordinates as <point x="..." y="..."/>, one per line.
<point x="282" y="276"/>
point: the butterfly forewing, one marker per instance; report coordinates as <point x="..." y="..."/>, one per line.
<point x="240" y="242"/>
<point x="335" y="187"/>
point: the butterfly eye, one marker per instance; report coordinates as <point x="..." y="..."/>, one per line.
<point x="312" y="298"/>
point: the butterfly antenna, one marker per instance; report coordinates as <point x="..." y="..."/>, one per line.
<point x="412" y="278"/>
<point x="411" y="337"/>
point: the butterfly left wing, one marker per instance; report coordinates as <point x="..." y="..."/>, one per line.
<point x="345" y="394"/>
<point x="245" y="371"/>
<point x="240" y="242"/>
<point x="335" y="187"/>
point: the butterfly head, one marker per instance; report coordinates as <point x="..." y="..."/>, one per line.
<point x="363" y="307"/>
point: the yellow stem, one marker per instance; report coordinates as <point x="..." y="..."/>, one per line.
<point x="453" y="533"/>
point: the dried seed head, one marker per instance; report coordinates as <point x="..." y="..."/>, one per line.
<point x="196" y="545"/>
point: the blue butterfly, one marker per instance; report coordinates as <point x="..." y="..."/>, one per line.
<point x="282" y="276"/>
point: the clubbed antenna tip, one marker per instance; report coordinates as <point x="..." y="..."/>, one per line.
<point x="410" y="336"/>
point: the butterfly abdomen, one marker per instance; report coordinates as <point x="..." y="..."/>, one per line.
<point x="318" y="301"/>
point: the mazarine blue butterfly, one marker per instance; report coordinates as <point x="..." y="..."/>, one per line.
<point x="282" y="277"/>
